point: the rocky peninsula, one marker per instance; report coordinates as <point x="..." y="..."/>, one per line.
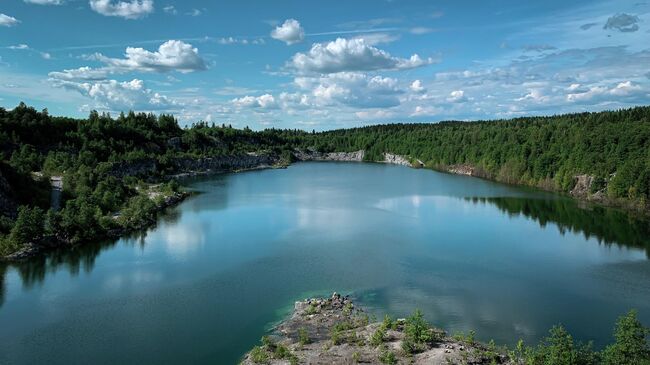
<point x="335" y="331"/>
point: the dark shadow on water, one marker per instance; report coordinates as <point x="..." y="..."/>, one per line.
<point x="74" y="259"/>
<point x="608" y="226"/>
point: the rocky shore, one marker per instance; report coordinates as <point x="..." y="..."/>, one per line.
<point x="335" y="331"/>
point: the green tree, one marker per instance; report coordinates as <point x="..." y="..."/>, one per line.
<point x="631" y="346"/>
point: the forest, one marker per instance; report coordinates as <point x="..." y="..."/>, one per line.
<point x="545" y="152"/>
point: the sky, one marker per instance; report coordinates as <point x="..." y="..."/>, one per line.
<point x="324" y="64"/>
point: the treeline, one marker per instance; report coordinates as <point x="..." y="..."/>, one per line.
<point x="546" y="152"/>
<point x="95" y="199"/>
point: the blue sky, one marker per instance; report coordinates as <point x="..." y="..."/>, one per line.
<point x="324" y="64"/>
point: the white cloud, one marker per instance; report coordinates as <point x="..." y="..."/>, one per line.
<point x="170" y="9"/>
<point x="602" y="93"/>
<point x="426" y="111"/>
<point x="351" y="55"/>
<point x="81" y="73"/>
<point x="534" y="95"/>
<point x="417" y="87"/>
<point x="351" y="89"/>
<point x="290" y="32"/>
<point x="117" y="96"/>
<point x="266" y="101"/>
<point x="456" y="96"/>
<point x="134" y="9"/>
<point x="171" y="56"/>
<point x="19" y="46"/>
<point x="194" y="12"/>
<point x="45" y="2"/>
<point x="8" y="21"/>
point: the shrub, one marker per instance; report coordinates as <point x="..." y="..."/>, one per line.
<point x="387" y="357"/>
<point x="259" y="355"/>
<point x="631" y="346"/>
<point x="417" y="329"/>
<point x="303" y="336"/>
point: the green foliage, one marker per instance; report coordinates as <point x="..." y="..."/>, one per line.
<point x="303" y="337"/>
<point x="537" y="151"/>
<point x="29" y="227"/>
<point x="631" y="346"/>
<point x="378" y="336"/>
<point x="417" y="330"/>
<point x="259" y="356"/>
<point x="559" y="349"/>
<point x="356" y="357"/>
<point x="387" y="357"/>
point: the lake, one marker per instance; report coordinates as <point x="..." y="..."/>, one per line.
<point x="218" y="270"/>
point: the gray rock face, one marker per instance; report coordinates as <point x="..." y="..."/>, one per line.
<point x="311" y="155"/>
<point x="399" y="160"/>
<point x="188" y="165"/>
<point x="224" y="163"/>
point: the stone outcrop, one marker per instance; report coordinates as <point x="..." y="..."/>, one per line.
<point x="224" y="163"/>
<point x="313" y="155"/>
<point x="401" y="160"/>
<point x="462" y="170"/>
<point x="191" y="166"/>
<point x="335" y="331"/>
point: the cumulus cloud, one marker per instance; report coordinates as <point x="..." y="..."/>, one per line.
<point x="354" y="54"/>
<point x="8" y="21"/>
<point x="351" y="89"/>
<point x="19" y="46"/>
<point x="623" y="23"/>
<point x="417" y="87"/>
<point x="134" y="9"/>
<point x="45" y="2"/>
<point x="171" y="56"/>
<point x="290" y="32"/>
<point x="266" y="101"/>
<point x="116" y="96"/>
<point x="457" y="96"/>
<point x="602" y="93"/>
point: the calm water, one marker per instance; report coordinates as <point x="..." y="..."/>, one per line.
<point x="216" y="272"/>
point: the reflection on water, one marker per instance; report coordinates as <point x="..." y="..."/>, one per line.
<point x="608" y="226"/>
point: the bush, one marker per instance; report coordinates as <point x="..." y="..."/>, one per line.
<point x="29" y="227"/>
<point x="259" y="355"/>
<point x="387" y="357"/>
<point x="303" y="336"/>
<point x="417" y="329"/>
<point x="631" y="346"/>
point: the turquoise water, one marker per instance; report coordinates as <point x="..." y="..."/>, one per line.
<point x="218" y="270"/>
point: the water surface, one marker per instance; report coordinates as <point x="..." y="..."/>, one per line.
<point x="219" y="269"/>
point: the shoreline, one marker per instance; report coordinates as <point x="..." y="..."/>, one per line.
<point x="50" y="243"/>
